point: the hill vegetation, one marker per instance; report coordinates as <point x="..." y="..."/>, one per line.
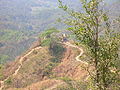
<point x="86" y="57"/>
<point x="22" y="20"/>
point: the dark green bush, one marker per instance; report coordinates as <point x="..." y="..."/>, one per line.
<point x="46" y="42"/>
<point x="8" y="81"/>
<point x="48" y="69"/>
<point x="55" y="60"/>
<point x="56" y="49"/>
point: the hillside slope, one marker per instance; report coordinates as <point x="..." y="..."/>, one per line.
<point x="38" y="71"/>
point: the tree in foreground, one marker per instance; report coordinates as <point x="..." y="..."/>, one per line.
<point x="93" y="29"/>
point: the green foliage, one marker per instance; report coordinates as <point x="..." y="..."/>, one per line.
<point x="47" y="37"/>
<point x="14" y="42"/>
<point x="17" y="26"/>
<point x="48" y="32"/>
<point x="46" y="42"/>
<point x="1" y="76"/>
<point x="3" y="58"/>
<point x="102" y="42"/>
<point x="56" y="49"/>
<point x="8" y="81"/>
<point x="69" y="82"/>
<point x="55" y="60"/>
<point x="1" y="71"/>
<point x="48" y="69"/>
<point x="13" y="35"/>
<point x="72" y="84"/>
<point x="66" y="79"/>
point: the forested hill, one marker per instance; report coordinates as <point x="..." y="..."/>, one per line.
<point x="31" y="14"/>
<point x="20" y="23"/>
<point x="22" y="20"/>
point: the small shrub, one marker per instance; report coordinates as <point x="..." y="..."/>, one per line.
<point x="35" y="52"/>
<point x="66" y="79"/>
<point x="56" y="49"/>
<point x="1" y="75"/>
<point x="8" y="81"/>
<point x="1" y="71"/>
<point x="48" y="69"/>
<point x="55" y="60"/>
<point x="72" y="84"/>
<point x="46" y="42"/>
<point x="3" y="58"/>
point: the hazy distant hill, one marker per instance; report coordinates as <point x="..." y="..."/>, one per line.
<point x="31" y="14"/>
<point x="22" y="20"/>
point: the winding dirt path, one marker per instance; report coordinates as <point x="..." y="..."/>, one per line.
<point x="77" y="59"/>
<point x="81" y="52"/>
<point x="16" y="71"/>
<point x="22" y="59"/>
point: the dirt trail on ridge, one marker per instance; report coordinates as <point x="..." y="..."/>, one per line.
<point x="20" y="65"/>
<point x="22" y="59"/>
<point x="81" y="52"/>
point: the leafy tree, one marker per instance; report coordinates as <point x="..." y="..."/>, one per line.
<point x="48" y="32"/>
<point x="48" y="36"/>
<point x="93" y="29"/>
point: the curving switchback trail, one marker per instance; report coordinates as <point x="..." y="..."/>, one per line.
<point x="78" y="57"/>
<point x="81" y="52"/>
